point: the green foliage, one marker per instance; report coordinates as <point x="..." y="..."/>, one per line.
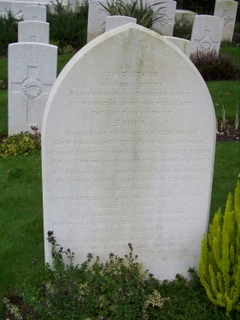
<point x="21" y="236"/>
<point x="137" y="9"/>
<point x="219" y="265"/>
<point x="13" y="309"/>
<point x="8" y="31"/>
<point x="215" y="67"/>
<point x="24" y="143"/>
<point x="116" y="289"/>
<point x="233" y="52"/>
<point x="68" y="27"/>
<point x="182" y="29"/>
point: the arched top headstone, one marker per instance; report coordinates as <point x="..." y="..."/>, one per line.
<point x="127" y="151"/>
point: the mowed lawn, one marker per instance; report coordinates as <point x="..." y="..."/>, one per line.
<point x="21" y="228"/>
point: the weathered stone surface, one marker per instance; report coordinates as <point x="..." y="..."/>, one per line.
<point x="183" y="16"/>
<point x="32" y="69"/>
<point x="206" y="33"/>
<point x="227" y="10"/>
<point x="164" y="12"/>
<point x="35" y="12"/>
<point x="128" y="145"/>
<point x="113" y="22"/>
<point x="33" y="31"/>
<point x="183" y="44"/>
<point x="96" y="19"/>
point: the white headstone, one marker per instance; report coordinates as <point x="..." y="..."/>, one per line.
<point x="17" y="7"/>
<point x="184" y="16"/>
<point x="227" y="10"/>
<point x="128" y="151"/>
<point x="4" y="8"/>
<point x="206" y="33"/>
<point x="32" y="69"/>
<point x="165" y="11"/>
<point x="33" y="31"/>
<point x="183" y="44"/>
<point x="117" y="21"/>
<point x="96" y="19"/>
<point x="37" y="13"/>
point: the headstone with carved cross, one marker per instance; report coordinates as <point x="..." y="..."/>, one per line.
<point x="227" y="10"/>
<point x="206" y="34"/>
<point x="32" y="69"/>
<point x="35" y="12"/>
<point x="33" y="31"/>
<point x="164" y="16"/>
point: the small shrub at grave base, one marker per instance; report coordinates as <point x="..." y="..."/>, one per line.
<point x="138" y="9"/>
<point x="23" y="143"/>
<point x="219" y="266"/>
<point x="215" y="67"/>
<point x="117" y="289"/>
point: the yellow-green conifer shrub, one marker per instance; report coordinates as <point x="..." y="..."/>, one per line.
<point x="219" y="265"/>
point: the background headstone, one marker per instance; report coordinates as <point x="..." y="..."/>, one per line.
<point x="96" y="19"/>
<point x="32" y="69"/>
<point x="227" y="10"/>
<point x="183" y="44"/>
<point x="166" y="11"/>
<point x="4" y="8"/>
<point x="184" y="16"/>
<point x="33" y="31"/>
<point x="38" y="13"/>
<point x="128" y="144"/>
<point x="117" y="21"/>
<point x="206" y="33"/>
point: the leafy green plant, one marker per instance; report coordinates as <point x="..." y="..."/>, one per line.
<point x="213" y="66"/>
<point x="24" y="143"/>
<point x="8" y="31"/>
<point x="182" y="29"/>
<point x="68" y="27"/>
<point x="219" y="265"/>
<point x="12" y="309"/>
<point x="138" y="9"/>
<point x="116" y="289"/>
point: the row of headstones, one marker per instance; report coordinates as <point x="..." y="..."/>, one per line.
<point x="32" y="70"/>
<point x="207" y="33"/>
<point x="17" y="7"/>
<point x="34" y="28"/>
<point x="127" y="148"/>
<point x="128" y="151"/>
<point x="30" y="80"/>
<point x="226" y="9"/>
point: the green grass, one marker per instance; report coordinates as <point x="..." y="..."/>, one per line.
<point x="21" y="215"/>
<point x="62" y="60"/>
<point x="233" y="52"/>
<point x="21" y="228"/>
<point x="225" y="94"/>
<point x="226" y="171"/>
